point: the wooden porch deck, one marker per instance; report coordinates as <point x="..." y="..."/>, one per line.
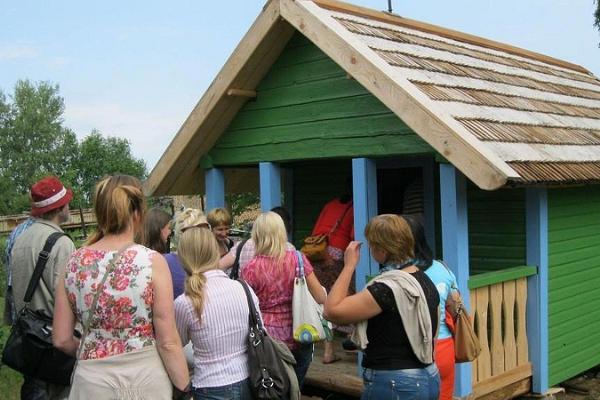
<point x="340" y="377"/>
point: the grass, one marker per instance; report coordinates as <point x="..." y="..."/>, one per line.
<point x="10" y="380"/>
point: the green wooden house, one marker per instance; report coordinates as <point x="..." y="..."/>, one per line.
<point x="501" y="144"/>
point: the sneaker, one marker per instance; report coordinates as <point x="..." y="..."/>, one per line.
<point x="349" y="345"/>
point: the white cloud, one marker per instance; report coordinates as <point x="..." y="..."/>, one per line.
<point x="16" y="52"/>
<point x="149" y="133"/>
<point x="59" y="62"/>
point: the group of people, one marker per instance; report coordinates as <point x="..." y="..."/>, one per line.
<point x="149" y="316"/>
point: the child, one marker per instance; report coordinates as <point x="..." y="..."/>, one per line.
<point x="220" y="223"/>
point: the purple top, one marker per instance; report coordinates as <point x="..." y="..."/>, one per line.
<point x="177" y="273"/>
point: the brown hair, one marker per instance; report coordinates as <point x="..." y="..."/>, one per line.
<point x="199" y="252"/>
<point x="391" y="233"/>
<point x="218" y="216"/>
<point x="116" y="199"/>
<point x="156" y="219"/>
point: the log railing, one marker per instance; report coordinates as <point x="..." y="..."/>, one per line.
<point x="498" y="308"/>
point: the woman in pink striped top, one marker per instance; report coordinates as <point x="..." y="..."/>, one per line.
<point x="271" y="274"/>
<point x="213" y="314"/>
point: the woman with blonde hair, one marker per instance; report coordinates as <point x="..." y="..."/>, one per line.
<point x="271" y="274"/>
<point x="121" y="294"/>
<point x="188" y="218"/>
<point x="213" y="314"/>
<point x="396" y="315"/>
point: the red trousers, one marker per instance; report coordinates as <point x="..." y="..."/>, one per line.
<point x="444" y="359"/>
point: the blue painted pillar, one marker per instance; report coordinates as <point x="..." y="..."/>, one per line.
<point x="215" y="188"/>
<point x="429" y="202"/>
<point x="270" y="185"/>
<point x="364" y="187"/>
<point x="455" y="244"/>
<point x="537" y="286"/>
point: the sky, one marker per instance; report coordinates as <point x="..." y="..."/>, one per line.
<point x="136" y="69"/>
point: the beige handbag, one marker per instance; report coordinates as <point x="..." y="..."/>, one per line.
<point x="466" y="342"/>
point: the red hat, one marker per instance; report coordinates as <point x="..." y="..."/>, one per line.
<point x="48" y="194"/>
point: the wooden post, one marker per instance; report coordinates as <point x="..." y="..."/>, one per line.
<point x="537" y="286"/>
<point x="215" y="189"/>
<point x="455" y="242"/>
<point x="270" y="185"/>
<point x="364" y="188"/>
<point x="288" y="196"/>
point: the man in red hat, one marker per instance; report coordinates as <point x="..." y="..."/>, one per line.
<point x="49" y="208"/>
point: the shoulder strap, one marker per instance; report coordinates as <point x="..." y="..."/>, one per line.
<point x="253" y="319"/>
<point x="235" y="268"/>
<point x="454" y="285"/>
<point x="300" y="266"/>
<point x="100" y="288"/>
<point x="41" y="264"/>
<point x="339" y="221"/>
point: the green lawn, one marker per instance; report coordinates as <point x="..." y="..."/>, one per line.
<point x="10" y="381"/>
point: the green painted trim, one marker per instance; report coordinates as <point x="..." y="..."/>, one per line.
<point x="509" y="274"/>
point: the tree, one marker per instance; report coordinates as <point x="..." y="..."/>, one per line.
<point x="100" y="156"/>
<point x="34" y="143"/>
<point x="597" y="15"/>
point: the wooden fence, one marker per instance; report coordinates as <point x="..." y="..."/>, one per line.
<point x="498" y="308"/>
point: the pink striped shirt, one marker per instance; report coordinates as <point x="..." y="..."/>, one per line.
<point x="219" y="341"/>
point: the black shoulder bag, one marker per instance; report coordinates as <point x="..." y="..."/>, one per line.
<point x="29" y="348"/>
<point x="235" y="268"/>
<point x="268" y="377"/>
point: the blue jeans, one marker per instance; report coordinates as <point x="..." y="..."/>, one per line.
<point x="401" y="384"/>
<point x="303" y="356"/>
<point x="236" y="391"/>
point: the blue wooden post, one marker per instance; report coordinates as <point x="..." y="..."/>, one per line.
<point x="288" y="196"/>
<point x="537" y="286"/>
<point x="429" y="202"/>
<point x="364" y="187"/>
<point x="270" y="185"/>
<point x="215" y="188"/>
<point x="455" y="238"/>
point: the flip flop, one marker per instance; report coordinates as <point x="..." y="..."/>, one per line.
<point x="334" y="359"/>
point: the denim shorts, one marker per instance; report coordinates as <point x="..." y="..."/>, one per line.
<point x="401" y="384"/>
<point x="236" y="391"/>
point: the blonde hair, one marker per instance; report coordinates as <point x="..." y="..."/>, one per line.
<point x="199" y="252"/>
<point x="391" y="233"/>
<point x="218" y="216"/>
<point x="187" y="218"/>
<point x="116" y="200"/>
<point x="269" y="235"/>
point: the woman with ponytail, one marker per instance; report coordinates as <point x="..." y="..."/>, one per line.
<point x="271" y="274"/>
<point x="213" y="314"/>
<point x="121" y="293"/>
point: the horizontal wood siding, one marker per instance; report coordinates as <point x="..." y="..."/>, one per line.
<point x="315" y="183"/>
<point x="308" y="108"/>
<point x="496" y="229"/>
<point x="574" y="281"/>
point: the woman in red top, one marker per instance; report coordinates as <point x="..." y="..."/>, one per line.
<point x="271" y="275"/>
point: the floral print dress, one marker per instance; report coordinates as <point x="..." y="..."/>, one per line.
<point x="122" y="321"/>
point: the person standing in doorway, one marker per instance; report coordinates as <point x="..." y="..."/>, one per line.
<point x="49" y="208"/>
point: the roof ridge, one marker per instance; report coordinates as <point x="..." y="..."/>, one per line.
<point x="336" y="5"/>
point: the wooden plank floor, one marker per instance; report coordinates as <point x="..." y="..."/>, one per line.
<point x="340" y="377"/>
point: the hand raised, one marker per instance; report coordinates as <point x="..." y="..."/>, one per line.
<point x="352" y="254"/>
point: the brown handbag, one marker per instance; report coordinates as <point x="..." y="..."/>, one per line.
<point x="466" y="343"/>
<point x="315" y="246"/>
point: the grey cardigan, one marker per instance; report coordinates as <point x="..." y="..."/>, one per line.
<point x="413" y="309"/>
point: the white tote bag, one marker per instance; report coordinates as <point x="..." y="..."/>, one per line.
<point x="308" y="323"/>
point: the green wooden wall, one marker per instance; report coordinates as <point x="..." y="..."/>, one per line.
<point x="574" y="281"/>
<point x="496" y="229"/>
<point x="315" y="183"/>
<point x="307" y="108"/>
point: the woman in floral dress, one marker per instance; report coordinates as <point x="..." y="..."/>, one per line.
<point x="131" y="349"/>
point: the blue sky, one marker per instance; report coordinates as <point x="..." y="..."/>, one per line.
<point x="136" y="69"/>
